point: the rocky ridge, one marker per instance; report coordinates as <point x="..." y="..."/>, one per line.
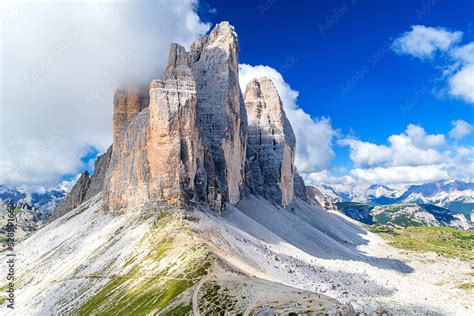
<point x="86" y="186"/>
<point x="194" y="138"/>
<point x="270" y="143"/>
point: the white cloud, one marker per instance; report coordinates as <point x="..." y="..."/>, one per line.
<point x="462" y="84"/>
<point x="314" y="136"/>
<point x="410" y="157"/>
<point x="411" y="148"/>
<point x="423" y="42"/>
<point x="365" y="153"/>
<point x="464" y="53"/>
<point x="400" y="174"/>
<point x="61" y="63"/>
<point x="460" y="129"/>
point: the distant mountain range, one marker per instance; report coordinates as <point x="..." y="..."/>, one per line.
<point x="404" y="215"/>
<point x="455" y="196"/>
<point x="39" y="202"/>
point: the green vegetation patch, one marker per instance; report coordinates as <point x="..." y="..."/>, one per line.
<point x="217" y="300"/>
<point x="445" y="241"/>
<point x="466" y="286"/>
<point x="180" y="310"/>
<point x="150" y="284"/>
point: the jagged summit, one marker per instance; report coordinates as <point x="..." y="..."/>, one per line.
<point x="270" y="143"/>
<point x="188" y="139"/>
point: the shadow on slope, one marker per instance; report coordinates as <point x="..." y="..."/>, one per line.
<point x="310" y="228"/>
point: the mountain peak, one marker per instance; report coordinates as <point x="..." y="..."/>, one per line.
<point x="189" y="140"/>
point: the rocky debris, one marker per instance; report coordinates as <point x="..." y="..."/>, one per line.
<point x="270" y="144"/>
<point x="345" y="309"/>
<point x="86" y="186"/>
<point x="319" y="197"/>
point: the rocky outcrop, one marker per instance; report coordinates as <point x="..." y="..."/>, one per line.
<point x="127" y="104"/>
<point x="175" y="151"/>
<point x="186" y="142"/>
<point x="192" y="141"/>
<point x="128" y="176"/>
<point x="221" y="112"/>
<point x="86" y="186"/>
<point x="100" y="170"/>
<point x="270" y="143"/>
<point x="75" y="197"/>
<point x="300" y="187"/>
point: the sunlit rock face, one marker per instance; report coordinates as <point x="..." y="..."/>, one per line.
<point x="175" y="151"/>
<point x="221" y="112"/>
<point x="127" y="104"/>
<point x="270" y="143"/>
<point x="188" y="140"/>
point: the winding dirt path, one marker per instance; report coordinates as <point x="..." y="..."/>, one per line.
<point x="195" y="297"/>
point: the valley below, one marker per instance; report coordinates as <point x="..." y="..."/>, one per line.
<point x="253" y="258"/>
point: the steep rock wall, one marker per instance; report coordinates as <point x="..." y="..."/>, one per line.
<point x="270" y="144"/>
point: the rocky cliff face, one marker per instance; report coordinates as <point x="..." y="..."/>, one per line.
<point x="189" y="141"/>
<point x="300" y="187"/>
<point x="86" y="186"/>
<point x="100" y="169"/>
<point x="127" y="104"/>
<point x="75" y="197"/>
<point x="271" y="143"/>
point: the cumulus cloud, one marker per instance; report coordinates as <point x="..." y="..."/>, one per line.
<point x="411" y="148"/>
<point x="461" y="84"/>
<point x="460" y="129"/>
<point x="400" y="174"/>
<point x="410" y="157"/>
<point x="61" y="63"/>
<point x="314" y="136"/>
<point x="423" y="42"/>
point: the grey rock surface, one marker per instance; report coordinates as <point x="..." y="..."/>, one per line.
<point x="270" y="144"/>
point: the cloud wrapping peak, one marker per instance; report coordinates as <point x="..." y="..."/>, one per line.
<point x="61" y="63"/>
<point x="314" y="137"/>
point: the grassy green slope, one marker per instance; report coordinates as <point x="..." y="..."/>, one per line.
<point x="445" y="241"/>
<point x="158" y="278"/>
